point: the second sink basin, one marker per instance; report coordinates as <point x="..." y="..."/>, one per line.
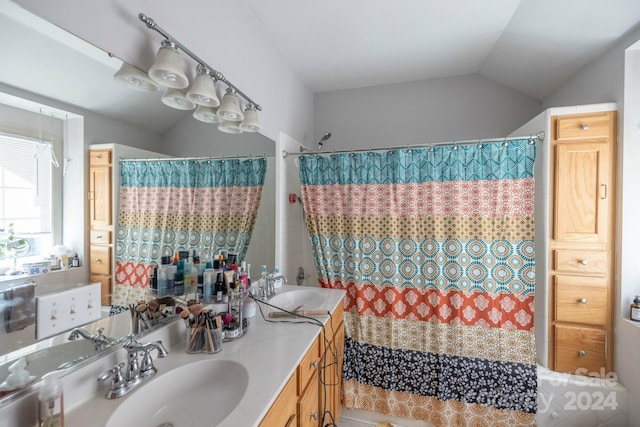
<point x="198" y="394"/>
<point x="309" y="299"/>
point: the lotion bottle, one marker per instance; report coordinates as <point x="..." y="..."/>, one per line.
<point x="51" y="413"/>
<point x="634" y="313"/>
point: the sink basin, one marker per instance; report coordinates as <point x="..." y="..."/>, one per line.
<point x="310" y="299"/>
<point x="200" y="393"/>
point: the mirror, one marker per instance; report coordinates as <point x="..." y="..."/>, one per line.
<point x="48" y="66"/>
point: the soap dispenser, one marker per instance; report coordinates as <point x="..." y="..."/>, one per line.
<point x="51" y="412"/>
<point x="18" y="377"/>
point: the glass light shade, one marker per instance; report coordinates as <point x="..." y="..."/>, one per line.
<point x="228" y="126"/>
<point x="230" y="108"/>
<point x="206" y="114"/>
<point x="250" y="122"/>
<point x="178" y="100"/>
<point x="135" y="79"/>
<point x="168" y="69"/>
<point x="203" y="91"/>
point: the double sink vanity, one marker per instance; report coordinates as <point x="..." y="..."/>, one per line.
<point x="269" y="377"/>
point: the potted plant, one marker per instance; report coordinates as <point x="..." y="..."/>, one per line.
<point x="10" y="245"/>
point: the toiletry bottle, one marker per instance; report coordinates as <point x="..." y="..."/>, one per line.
<point x="153" y="281"/>
<point x="278" y="282"/>
<point x="51" y="412"/>
<point x="75" y="261"/>
<point x="178" y="283"/>
<point x="162" y="282"/>
<point x="635" y="309"/>
<point x="18" y="376"/>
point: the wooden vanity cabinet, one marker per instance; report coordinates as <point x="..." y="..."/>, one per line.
<point x="100" y="201"/>
<point x="302" y="400"/>
<point x="581" y="243"/>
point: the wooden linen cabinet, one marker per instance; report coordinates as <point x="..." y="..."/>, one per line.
<point x="581" y="246"/>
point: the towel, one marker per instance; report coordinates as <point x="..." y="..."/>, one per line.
<point x="19" y="310"/>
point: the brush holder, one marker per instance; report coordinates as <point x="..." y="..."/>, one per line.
<point x="201" y="339"/>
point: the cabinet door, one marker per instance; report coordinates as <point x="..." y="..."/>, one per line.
<point x="100" y="195"/>
<point x="308" y="413"/>
<point x="283" y="412"/>
<point x="581" y="192"/>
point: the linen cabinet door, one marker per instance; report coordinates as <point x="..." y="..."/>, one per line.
<point x="581" y="192"/>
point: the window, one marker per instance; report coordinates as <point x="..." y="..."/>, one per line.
<point x="28" y="176"/>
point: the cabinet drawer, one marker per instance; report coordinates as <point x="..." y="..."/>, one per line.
<point x="588" y="262"/>
<point x="583" y="127"/>
<point x="99" y="157"/>
<point x="308" y="367"/>
<point x="100" y="237"/>
<point x="581" y="300"/>
<point x="283" y="412"/>
<point x="100" y="262"/>
<point x="579" y="350"/>
<point x="308" y="405"/>
<point x="105" y="288"/>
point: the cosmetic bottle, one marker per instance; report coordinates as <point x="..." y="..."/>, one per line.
<point x="634" y="312"/>
<point x="51" y="413"/>
<point x="179" y="283"/>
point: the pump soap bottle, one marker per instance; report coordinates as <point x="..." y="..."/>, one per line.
<point x="634" y="312"/>
<point x="51" y="402"/>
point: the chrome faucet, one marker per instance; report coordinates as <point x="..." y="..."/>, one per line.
<point x="136" y="371"/>
<point x="268" y="289"/>
<point x="99" y="339"/>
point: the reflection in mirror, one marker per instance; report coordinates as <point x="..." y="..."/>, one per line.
<point x="77" y="102"/>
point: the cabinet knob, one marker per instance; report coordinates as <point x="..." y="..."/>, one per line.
<point x="99" y="156"/>
<point x="314" y="364"/>
<point x="583" y="301"/>
<point x="99" y="237"/>
<point x="582" y="353"/>
<point x="314" y="415"/>
<point x="98" y="260"/>
<point x="584" y="126"/>
<point x="584" y="262"/>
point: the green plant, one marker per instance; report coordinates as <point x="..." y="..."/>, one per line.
<point x="8" y="241"/>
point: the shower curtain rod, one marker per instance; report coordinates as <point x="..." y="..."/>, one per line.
<point x="303" y="151"/>
<point x="178" y="159"/>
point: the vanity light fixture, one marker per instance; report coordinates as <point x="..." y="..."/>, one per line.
<point x="206" y="114"/>
<point x="136" y="79"/>
<point x="168" y="70"/>
<point x="230" y="107"/>
<point x="177" y="99"/>
<point x="228" y="126"/>
<point x="203" y="89"/>
<point x="250" y="122"/>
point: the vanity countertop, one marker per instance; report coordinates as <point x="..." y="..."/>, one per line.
<point x="269" y="351"/>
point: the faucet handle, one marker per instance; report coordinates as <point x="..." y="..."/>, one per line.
<point x="118" y="383"/>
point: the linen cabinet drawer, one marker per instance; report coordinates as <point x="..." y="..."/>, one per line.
<point x="581" y="300"/>
<point x="576" y="261"/>
<point x="579" y="348"/>
<point x="583" y="127"/>
<point x="100" y="262"/>
<point x="100" y="157"/>
<point x="100" y="237"/>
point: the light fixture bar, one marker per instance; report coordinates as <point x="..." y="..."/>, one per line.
<point x="151" y="24"/>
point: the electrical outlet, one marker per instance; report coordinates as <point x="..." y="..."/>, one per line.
<point x="65" y="310"/>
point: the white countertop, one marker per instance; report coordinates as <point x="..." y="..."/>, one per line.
<point x="269" y="351"/>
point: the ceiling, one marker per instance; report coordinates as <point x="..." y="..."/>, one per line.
<point x="532" y="46"/>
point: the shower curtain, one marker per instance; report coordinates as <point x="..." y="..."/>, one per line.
<point x="171" y="205"/>
<point x="435" y="248"/>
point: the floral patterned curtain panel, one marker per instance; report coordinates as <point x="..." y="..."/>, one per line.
<point x="435" y="248"/>
<point x="171" y="205"/>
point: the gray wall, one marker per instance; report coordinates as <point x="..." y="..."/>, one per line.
<point x="441" y="109"/>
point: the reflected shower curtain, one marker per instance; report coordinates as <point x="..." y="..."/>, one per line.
<point x="435" y="248"/>
<point x="171" y="205"/>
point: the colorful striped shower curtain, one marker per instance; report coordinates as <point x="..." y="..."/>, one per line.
<point x="171" y="205"/>
<point x="435" y="248"/>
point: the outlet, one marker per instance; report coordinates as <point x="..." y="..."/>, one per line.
<point x="65" y="310"/>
